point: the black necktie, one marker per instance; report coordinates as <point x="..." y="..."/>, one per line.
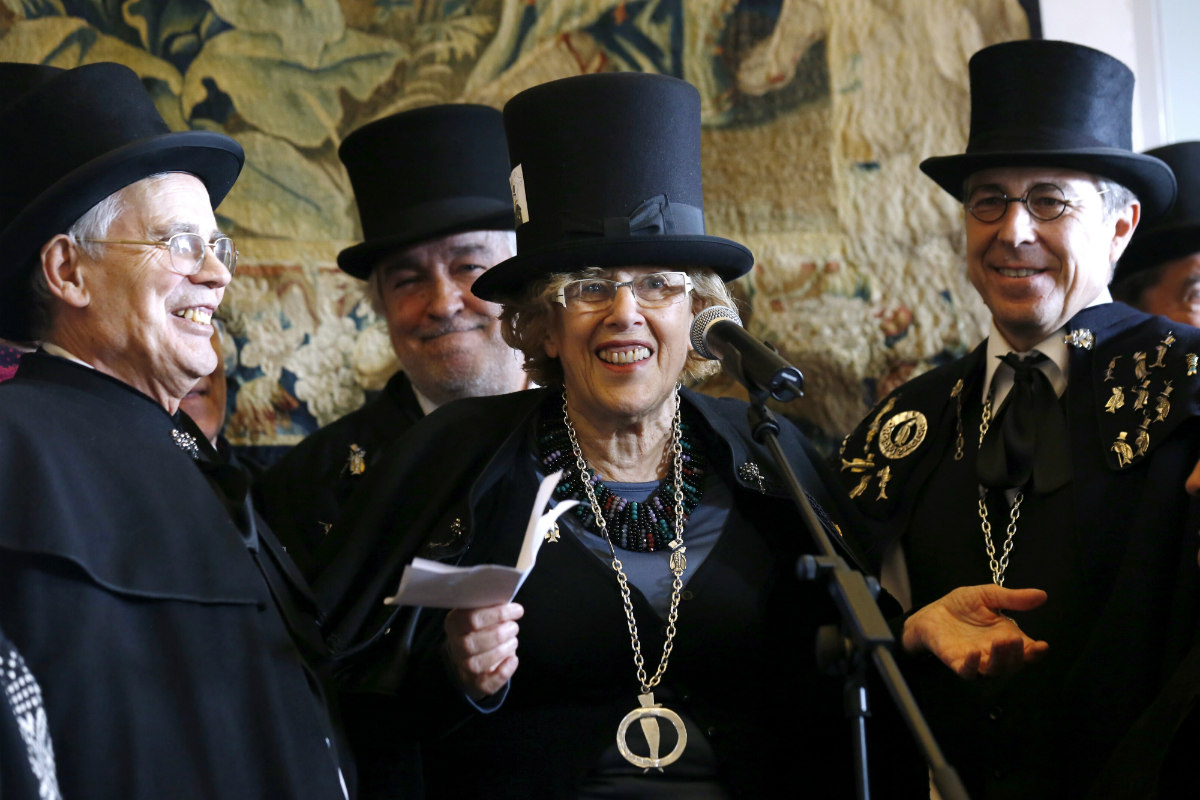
<point x="1028" y="437"/>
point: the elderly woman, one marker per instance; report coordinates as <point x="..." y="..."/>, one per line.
<point x="663" y="625"/>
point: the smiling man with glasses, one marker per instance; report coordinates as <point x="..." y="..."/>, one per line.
<point x="156" y="615"/>
<point x="1034" y="505"/>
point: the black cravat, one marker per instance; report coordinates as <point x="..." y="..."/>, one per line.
<point x="1028" y="437"/>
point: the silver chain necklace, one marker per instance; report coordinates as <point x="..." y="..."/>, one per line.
<point x="998" y="567"/>
<point x="648" y="709"/>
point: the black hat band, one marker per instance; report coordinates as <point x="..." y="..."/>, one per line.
<point x="654" y="217"/>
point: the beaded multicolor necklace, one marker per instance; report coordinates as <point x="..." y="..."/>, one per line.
<point x="643" y="526"/>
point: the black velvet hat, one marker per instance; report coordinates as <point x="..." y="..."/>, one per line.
<point x="1178" y="233"/>
<point x="426" y="173"/>
<point x="607" y="174"/>
<point x="69" y="139"/>
<point x="1036" y="103"/>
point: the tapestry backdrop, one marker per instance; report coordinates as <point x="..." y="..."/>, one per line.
<point x="816" y="114"/>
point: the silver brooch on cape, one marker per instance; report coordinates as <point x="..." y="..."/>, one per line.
<point x="750" y="473"/>
<point x="1080" y="337"/>
<point x="186" y="442"/>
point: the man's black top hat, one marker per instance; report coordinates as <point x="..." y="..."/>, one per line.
<point x="1178" y="233"/>
<point x="426" y="173"/>
<point x="69" y="139"/>
<point x="1054" y="104"/>
<point x="607" y="174"/>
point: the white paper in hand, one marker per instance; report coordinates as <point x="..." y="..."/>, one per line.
<point x="436" y="585"/>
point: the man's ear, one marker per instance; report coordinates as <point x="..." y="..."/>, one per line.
<point x="1125" y="222"/>
<point x="62" y="270"/>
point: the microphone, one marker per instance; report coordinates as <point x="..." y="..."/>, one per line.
<point x="717" y="334"/>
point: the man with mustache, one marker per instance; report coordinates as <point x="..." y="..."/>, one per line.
<point x="159" y="625"/>
<point x="1035" y="486"/>
<point x="436" y="212"/>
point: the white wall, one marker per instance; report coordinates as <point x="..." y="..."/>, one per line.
<point x="1159" y="40"/>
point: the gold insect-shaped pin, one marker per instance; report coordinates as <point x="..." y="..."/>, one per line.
<point x="1139" y="365"/>
<point x="875" y="423"/>
<point x="1142" y="442"/>
<point x="1162" y="347"/>
<point x="1191" y="363"/>
<point x="1122" y="449"/>
<point x="357" y="461"/>
<point x="1108" y="373"/>
<point x="857" y="465"/>
<point x="885" y="475"/>
<point x="1116" y="401"/>
<point x="862" y="486"/>
<point x="1162" y="403"/>
<point x="1143" y="394"/>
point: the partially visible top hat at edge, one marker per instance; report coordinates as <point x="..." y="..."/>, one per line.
<point x="606" y="173"/>
<point x="69" y="139"/>
<point x="423" y="174"/>
<point x="1178" y="233"/>
<point x="1038" y="103"/>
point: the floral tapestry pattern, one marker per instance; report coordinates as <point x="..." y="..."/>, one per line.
<point x="815" y="113"/>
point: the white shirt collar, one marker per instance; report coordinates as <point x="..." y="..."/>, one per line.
<point x="427" y="405"/>
<point x="1054" y="347"/>
<point x="55" y="350"/>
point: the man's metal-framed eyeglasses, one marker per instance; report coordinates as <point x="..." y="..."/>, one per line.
<point x="187" y="250"/>
<point x="1044" y="202"/>
<point x="655" y="290"/>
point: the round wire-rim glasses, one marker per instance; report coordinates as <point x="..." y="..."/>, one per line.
<point x="653" y="290"/>
<point x="186" y="250"/>
<point x="1044" y="202"/>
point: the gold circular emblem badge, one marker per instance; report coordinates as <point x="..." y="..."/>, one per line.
<point x="902" y="434"/>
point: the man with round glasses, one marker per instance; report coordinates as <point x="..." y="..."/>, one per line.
<point x="167" y="630"/>
<point x="1028" y="497"/>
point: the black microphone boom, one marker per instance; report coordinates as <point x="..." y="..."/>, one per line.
<point x="717" y="333"/>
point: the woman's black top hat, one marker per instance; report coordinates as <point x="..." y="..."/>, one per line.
<point x="426" y="173"/>
<point x="69" y="139"/>
<point x="606" y="173"/>
<point x="1178" y="233"/>
<point x="1054" y="104"/>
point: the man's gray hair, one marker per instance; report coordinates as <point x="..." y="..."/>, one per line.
<point x="375" y="279"/>
<point x="94" y="224"/>
<point x="1116" y="196"/>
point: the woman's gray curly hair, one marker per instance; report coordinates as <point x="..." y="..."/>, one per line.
<point x="525" y="320"/>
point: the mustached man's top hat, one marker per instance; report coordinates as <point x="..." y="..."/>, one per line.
<point x="69" y="139"/>
<point x="1054" y="104"/>
<point x="606" y="173"/>
<point x="423" y="174"/>
<point x="1178" y="233"/>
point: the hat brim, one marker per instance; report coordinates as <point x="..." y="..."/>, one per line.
<point x="431" y="221"/>
<point x="1147" y="177"/>
<point x="214" y="158"/>
<point x="1151" y="248"/>
<point x="504" y="281"/>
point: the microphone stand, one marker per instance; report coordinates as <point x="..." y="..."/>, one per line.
<point x="865" y="635"/>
